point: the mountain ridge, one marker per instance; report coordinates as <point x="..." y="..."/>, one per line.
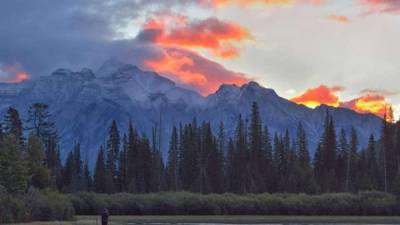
<point x="84" y="103"/>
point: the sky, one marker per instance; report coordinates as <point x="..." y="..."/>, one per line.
<point x="342" y="53"/>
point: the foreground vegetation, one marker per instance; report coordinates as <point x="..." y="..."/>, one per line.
<point x="130" y="177"/>
<point x="119" y="220"/>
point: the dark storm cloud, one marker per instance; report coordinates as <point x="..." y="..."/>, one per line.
<point x="42" y="35"/>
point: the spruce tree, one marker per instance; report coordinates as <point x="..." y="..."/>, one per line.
<point x="99" y="178"/>
<point x="35" y="158"/>
<point x="13" y="126"/>
<point x="173" y="163"/>
<point x="113" y="148"/>
<point x="352" y="161"/>
<point x="13" y="171"/>
<point x="256" y="152"/>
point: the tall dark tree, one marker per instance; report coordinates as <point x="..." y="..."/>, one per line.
<point x="13" y="171"/>
<point x="342" y="161"/>
<point x="99" y="178"/>
<point x="256" y="152"/>
<point x="173" y="162"/>
<point x="328" y="154"/>
<point x="13" y="126"/>
<point x="113" y="148"/>
<point x="352" y="162"/>
<point x="305" y="180"/>
<point x="35" y="158"/>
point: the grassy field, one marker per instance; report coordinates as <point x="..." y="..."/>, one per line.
<point x="119" y="220"/>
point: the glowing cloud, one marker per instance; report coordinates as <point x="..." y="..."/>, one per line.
<point x="12" y="74"/>
<point x="323" y="94"/>
<point x="375" y="104"/>
<point x="179" y="32"/>
<point x="193" y="70"/>
<point x="339" y="19"/>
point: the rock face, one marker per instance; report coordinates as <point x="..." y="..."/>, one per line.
<point x="84" y="103"/>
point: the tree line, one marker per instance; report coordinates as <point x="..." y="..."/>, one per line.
<point x="199" y="160"/>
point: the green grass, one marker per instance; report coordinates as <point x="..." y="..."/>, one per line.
<point x="119" y="220"/>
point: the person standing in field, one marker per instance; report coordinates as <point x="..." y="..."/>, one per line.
<point x="104" y="217"/>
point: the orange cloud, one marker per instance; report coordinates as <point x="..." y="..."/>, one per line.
<point x="339" y="19"/>
<point x="193" y="70"/>
<point x="375" y="104"/>
<point x="369" y="102"/>
<point x="222" y="3"/>
<point x="12" y="74"/>
<point x="323" y="94"/>
<point x="212" y="34"/>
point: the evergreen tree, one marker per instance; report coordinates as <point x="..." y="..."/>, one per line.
<point x="39" y="173"/>
<point x="241" y="158"/>
<point x="13" y="126"/>
<point x="13" y="171"/>
<point x="342" y="161"/>
<point x="256" y="150"/>
<point x="352" y="161"/>
<point x="305" y="179"/>
<point x="173" y="163"/>
<point x="99" y="182"/>
<point x="328" y="154"/>
<point x="113" y="148"/>
<point x="86" y="180"/>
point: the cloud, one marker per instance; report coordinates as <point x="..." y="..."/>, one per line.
<point x="339" y="19"/>
<point x="378" y="92"/>
<point x="323" y="94"/>
<point x="381" y="6"/>
<point x="222" y="3"/>
<point x="171" y="30"/>
<point x="44" y="35"/>
<point x="371" y="101"/>
<point x="192" y="70"/>
<point x="376" y="104"/>
<point x="12" y="74"/>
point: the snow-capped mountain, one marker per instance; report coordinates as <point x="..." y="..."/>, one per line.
<point x="84" y="103"/>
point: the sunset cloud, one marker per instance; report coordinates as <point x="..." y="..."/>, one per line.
<point x="179" y="32"/>
<point x="323" y="94"/>
<point x="222" y="3"/>
<point x="382" y="6"/>
<point x="193" y="70"/>
<point x="339" y="19"/>
<point x="12" y="74"/>
<point x="370" y="101"/>
<point x="375" y="104"/>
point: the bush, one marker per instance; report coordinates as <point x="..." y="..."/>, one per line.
<point x="35" y="205"/>
<point x="184" y="203"/>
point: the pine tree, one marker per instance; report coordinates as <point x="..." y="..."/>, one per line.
<point x="352" y="161"/>
<point x="13" y="126"/>
<point x="256" y="151"/>
<point x="39" y="173"/>
<point x="342" y="161"/>
<point x="305" y="180"/>
<point x="173" y="163"/>
<point x="99" y="182"/>
<point x="39" y="122"/>
<point x="13" y="171"/>
<point x="132" y="159"/>
<point x="123" y="165"/>
<point x="113" y="148"/>
<point x="242" y="158"/>
<point x="328" y="150"/>
<point x="86" y="180"/>
<point x="268" y="167"/>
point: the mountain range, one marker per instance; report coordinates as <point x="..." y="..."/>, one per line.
<point x="83" y="105"/>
